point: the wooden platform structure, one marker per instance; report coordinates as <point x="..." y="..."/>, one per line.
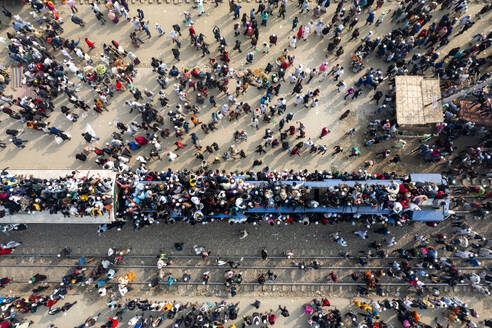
<point x="418" y="101"/>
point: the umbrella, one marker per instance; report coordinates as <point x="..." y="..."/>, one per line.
<point x="22" y="325"/>
<point x="111" y="15"/>
<point x="122" y="280"/>
<point x="114" y="322"/>
<point x="198" y="215"/>
<point x="101" y="283"/>
<point x="101" y="69"/>
<point x="82" y="261"/>
<point x="130" y="276"/>
<point x="308" y="310"/>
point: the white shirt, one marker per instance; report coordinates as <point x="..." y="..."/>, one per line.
<point x="79" y="53"/>
<point x="299" y="98"/>
<point x="172" y="156"/>
<point x="173" y="34"/>
<point x="225" y="108"/>
<point x="141" y="159"/>
<point x="125" y="13"/>
<point x="71" y="66"/>
<point x="292" y="42"/>
<point x="65" y="53"/>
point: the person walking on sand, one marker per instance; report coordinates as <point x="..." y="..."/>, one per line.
<point x="244" y="234"/>
<point x="71" y="5"/>
<point x="90" y="44"/>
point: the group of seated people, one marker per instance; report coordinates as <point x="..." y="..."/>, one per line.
<point x="71" y="195"/>
<point x="187" y="194"/>
<point x="198" y="195"/>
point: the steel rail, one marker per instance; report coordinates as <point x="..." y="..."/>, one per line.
<point x="465" y="186"/>
<point x="246" y="257"/>
<point x="216" y="283"/>
<point x="201" y="267"/>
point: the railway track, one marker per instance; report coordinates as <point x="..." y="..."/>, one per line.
<point x="218" y="267"/>
<point x="289" y="277"/>
<point x="461" y="198"/>
<point x="243" y="257"/>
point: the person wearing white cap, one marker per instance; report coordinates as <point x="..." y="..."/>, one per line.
<point x="159" y="29"/>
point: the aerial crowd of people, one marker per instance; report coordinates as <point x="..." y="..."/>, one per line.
<point x="169" y="196"/>
<point x="432" y="261"/>
<point x="70" y="195"/>
<point x="57" y="67"/>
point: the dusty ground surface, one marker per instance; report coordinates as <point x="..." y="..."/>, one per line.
<point x="308" y="242"/>
<point x="92" y="306"/>
<point x="42" y="152"/>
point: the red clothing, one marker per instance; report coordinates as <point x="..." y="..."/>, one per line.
<point x="403" y="189"/>
<point x="141" y="140"/>
<point x="5" y="251"/>
<point x="89" y="43"/>
<point x="50" y="303"/>
<point x="225" y="57"/>
<point x="33" y="299"/>
<point x="115" y="322"/>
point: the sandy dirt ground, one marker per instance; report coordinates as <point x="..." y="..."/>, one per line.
<point x="42" y="152"/>
<point x="222" y="240"/>
<point x="94" y="305"/>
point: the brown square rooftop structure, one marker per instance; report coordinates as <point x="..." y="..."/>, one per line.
<point x="418" y="100"/>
